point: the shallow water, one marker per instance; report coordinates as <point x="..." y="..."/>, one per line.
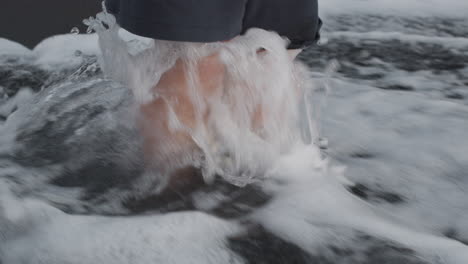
<point x="389" y="115"/>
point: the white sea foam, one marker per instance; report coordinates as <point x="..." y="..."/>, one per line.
<point x="8" y="47"/>
<point x="34" y="232"/>
<point x="310" y="201"/>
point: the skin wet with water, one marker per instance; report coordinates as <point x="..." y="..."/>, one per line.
<point x="230" y="108"/>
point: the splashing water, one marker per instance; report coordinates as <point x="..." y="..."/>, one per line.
<point x="258" y="120"/>
<point x="236" y="129"/>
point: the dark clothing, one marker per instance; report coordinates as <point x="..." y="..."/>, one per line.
<point x="218" y="20"/>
